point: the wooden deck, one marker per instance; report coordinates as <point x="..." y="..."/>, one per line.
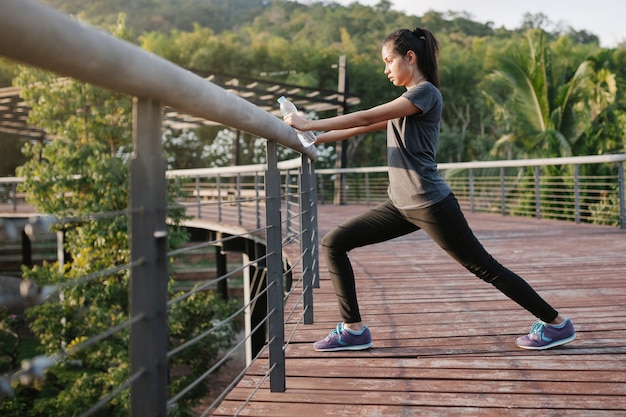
<point x="444" y="341"/>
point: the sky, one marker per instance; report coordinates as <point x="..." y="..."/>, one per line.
<point x="604" y="18"/>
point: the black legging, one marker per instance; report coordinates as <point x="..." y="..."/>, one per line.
<point x="446" y="225"/>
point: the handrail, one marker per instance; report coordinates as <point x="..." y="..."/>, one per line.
<point x="518" y="163"/>
<point x="514" y="163"/>
<point x="40" y="36"/>
<point x="233" y="170"/>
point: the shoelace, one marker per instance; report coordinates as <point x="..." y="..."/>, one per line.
<point x="537" y="328"/>
<point x="336" y="331"/>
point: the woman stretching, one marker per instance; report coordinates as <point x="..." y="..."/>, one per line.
<point x="418" y="197"/>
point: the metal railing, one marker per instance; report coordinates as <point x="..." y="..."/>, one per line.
<point x="588" y="189"/>
<point x="39" y="36"/>
<point x="243" y="221"/>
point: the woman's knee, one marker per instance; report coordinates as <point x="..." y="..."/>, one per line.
<point x="329" y="239"/>
<point x="336" y="240"/>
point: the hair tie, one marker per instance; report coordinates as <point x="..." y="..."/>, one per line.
<point x="419" y="34"/>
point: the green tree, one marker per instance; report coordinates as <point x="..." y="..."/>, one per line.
<point x="549" y="107"/>
<point x="81" y="176"/>
<point x="545" y="113"/>
<point x="7" y="72"/>
<point x="465" y="116"/>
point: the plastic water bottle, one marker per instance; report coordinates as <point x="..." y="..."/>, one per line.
<point x="287" y="107"/>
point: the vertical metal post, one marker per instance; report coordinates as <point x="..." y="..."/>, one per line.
<point x="254" y="283"/>
<point x="257" y="198"/>
<point x="148" y="245"/>
<point x="537" y="192"/>
<point x="306" y="239"/>
<point x="61" y="258"/>
<point x="314" y="228"/>
<point x="367" y="188"/>
<point x="218" y="185"/>
<point x="275" y="306"/>
<point x="341" y="147"/>
<point x="288" y="203"/>
<point x="27" y="251"/>
<point x="239" y="202"/>
<point x="503" y="191"/>
<point x="221" y="267"/>
<point x="577" y="193"/>
<point x="14" y="197"/>
<point x="622" y="204"/>
<point x="198" y="198"/>
<point x="472" y="187"/>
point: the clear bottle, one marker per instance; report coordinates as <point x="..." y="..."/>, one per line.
<point x="287" y="107"/>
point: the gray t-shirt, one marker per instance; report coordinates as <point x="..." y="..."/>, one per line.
<point x="414" y="181"/>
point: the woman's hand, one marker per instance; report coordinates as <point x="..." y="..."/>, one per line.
<point x="297" y="121"/>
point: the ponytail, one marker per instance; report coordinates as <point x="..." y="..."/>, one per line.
<point x="423" y="43"/>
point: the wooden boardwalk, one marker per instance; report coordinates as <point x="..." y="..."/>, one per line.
<point x="444" y="341"/>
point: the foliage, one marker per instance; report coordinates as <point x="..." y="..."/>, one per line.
<point x="547" y="112"/>
<point x="11" y="151"/>
<point x="163" y="14"/>
<point x="8" y="70"/>
<point x="12" y="327"/>
<point x="196" y="315"/>
<point x="185" y="149"/>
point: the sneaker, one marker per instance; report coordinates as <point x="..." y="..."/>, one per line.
<point x="342" y="338"/>
<point x="545" y="336"/>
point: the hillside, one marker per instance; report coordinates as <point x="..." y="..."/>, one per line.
<point x="164" y="15"/>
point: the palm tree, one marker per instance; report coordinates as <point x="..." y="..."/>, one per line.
<point x="545" y="113"/>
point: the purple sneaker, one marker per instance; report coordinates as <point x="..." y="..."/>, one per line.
<point x="545" y="336"/>
<point x="343" y="339"/>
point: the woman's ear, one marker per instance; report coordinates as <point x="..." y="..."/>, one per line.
<point x="411" y="57"/>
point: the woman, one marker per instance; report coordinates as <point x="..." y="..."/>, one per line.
<point x="418" y="197"/>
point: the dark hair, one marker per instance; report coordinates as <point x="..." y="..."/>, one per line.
<point x="423" y="43"/>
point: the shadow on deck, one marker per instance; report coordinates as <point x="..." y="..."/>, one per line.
<point x="444" y="341"/>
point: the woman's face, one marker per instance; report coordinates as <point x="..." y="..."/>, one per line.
<point x="399" y="69"/>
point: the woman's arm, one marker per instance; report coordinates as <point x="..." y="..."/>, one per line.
<point x="399" y="107"/>
<point x="338" y="135"/>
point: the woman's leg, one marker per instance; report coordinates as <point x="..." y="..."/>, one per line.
<point x="379" y="224"/>
<point x="447" y="226"/>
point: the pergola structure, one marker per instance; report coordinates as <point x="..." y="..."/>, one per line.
<point x="14" y="114"/>
<point x="262" y="93"/>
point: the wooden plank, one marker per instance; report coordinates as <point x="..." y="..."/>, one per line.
<point x="277" y="409"/>
<point x="587" y="368"/>
<point x="416" y="399"/>
<point x="419" y="383"/>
